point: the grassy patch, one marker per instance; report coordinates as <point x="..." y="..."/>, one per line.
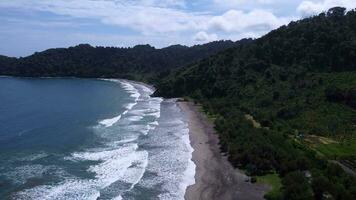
<point x="338" y="150"/>
<point x="315" y="140"/>
<point x="274" y="181"/>
<point x="330" y="148"/>
<point x="210" y="116"/>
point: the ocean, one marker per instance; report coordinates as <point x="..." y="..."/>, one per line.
<point x="68" y="138"/>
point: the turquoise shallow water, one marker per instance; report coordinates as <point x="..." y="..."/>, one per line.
<point x="90" y="139"/>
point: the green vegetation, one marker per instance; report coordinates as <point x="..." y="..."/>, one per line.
<point x="211" y="116"/>
<point x="271" y="95"/>
<point x="142" y="62"/>
<point x="296" y="186"/>
<point x="275" y="182"/>
<point x="346" y="149"/>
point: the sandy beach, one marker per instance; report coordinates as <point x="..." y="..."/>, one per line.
<point x="215" y="177"/>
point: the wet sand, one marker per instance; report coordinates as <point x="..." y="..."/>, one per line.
<point x="215" y="178"/>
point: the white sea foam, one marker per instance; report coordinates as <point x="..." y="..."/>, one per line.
<point x="155" y="114"/>
<point x="134" y="118"/>
<point x="189" y="173"/>
<point x="118" y="198"/>
<point x="129" y="106"/>
<point x="187" y="176"/>
<point x="152" y="126"/>
<point x="127" y="140"/>
<point x="171" y="156"/>
<point x="110" y="122"/>
<point x="69" y="189"/>
<point x="134" y="93"/>
<point x="144" y="131"/>
<point x="125" y="112"/>
<point x="125" y="164"/>
<point x="130" y="89"/>
<point x="104" y="154"/>
<point x="120" y="167"/>
<point x="155" y="123"/>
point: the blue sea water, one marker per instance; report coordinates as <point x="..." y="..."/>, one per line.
<point x="90" y="139"/>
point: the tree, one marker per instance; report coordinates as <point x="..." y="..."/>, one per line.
<point x="320" y="185"/>
<point x="296" y="187"/>
<point x="336" y="12"/>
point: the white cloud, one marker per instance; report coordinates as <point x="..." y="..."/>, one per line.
<point x="239" y="21"/>
<point x="150" y="19"/>
<point x="144" y="16"/>
<point x="308" y="8"/>
<point x="203" y="36"/>
<point x="242" y="2"/>
<point x="174" y="21"/>
<point x="163" y="3"/>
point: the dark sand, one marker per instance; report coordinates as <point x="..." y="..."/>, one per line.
<point x="215" y="177"/>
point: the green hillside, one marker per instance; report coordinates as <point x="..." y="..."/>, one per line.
<point x="299" y="83"/>
<point x="142" y="62"/>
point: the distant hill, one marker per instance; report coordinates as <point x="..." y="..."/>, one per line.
<point x="299" y="84"/>
<point x="87" y="61"/>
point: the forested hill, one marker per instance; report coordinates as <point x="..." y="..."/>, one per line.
<point x="324" y="43"/>
<point x="284" y="104"/>
<point x="87" y="61"/>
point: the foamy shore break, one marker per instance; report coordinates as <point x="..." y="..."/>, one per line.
<point x="188" y="178"/>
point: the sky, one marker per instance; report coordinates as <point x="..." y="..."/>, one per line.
<point x="27" y="26"/>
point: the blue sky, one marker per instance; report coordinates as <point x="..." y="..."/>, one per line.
<point x="35" y="25"/>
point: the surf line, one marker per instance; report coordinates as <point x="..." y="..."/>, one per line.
<point x="133" y="93"/>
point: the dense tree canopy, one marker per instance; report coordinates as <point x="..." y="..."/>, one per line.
<point x="141" y="61"/>
<point x="297" y="81"/>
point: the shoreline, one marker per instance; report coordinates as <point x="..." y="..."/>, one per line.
<point x="215" y="177"/>
<point x="89" y="78"/>
<point x="151" y="87"/>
